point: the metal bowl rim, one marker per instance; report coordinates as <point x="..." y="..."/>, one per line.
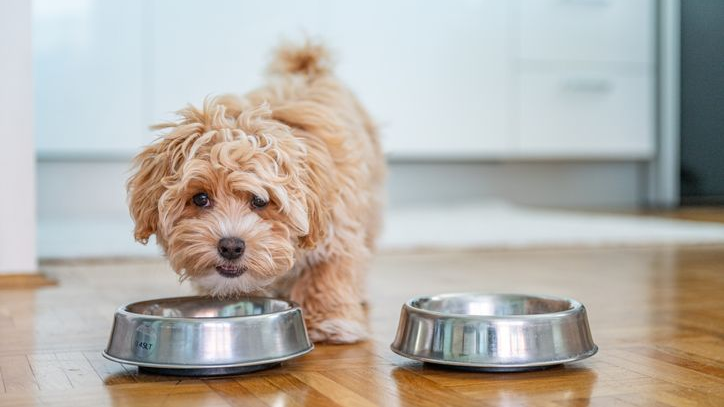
<point x="581" y="356"/>
<point x="293" y="306"/>
<point x="576" y="306"/>
<point x="226" y="365"/>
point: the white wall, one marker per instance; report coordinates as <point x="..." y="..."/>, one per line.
<point x="17" y="155"/>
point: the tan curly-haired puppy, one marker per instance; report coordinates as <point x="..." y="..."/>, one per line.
<point x="278" y="192"/>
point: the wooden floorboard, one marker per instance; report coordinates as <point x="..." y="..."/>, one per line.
<point x="24" y="280"/>
<point x="657" y="315"/>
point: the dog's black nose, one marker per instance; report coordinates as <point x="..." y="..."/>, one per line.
<point x="231" y="248"/>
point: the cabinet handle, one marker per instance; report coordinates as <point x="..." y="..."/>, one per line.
<point x="597" y="85"/>
<point x="588" y="2"/>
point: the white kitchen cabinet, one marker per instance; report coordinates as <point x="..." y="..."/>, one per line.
<point x="206" y="48"/>
<point x="88" y="76"/>
<point x="483" y="79"/>
<point x="437" y="83"/>
<point x="433" y="73"/>
<point x="585" y="113"/>
<point x="480" y="79"/>
<point x="588" y="31"/>
<point x="584" y="84"/>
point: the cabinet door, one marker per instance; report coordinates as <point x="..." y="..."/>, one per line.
<point x="434" y="74"/>
<point x="586" y="113"/>
<point x="586" y="30"/>
<point x="87" y="73"/>
<point x="203" y="48"/>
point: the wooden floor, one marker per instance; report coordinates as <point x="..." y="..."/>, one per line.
<point x="657" y="315"/>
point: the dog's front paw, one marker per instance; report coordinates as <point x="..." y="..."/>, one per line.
<point x="338" y="330"/>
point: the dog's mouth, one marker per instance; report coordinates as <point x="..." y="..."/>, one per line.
<point x="230" y="271"/>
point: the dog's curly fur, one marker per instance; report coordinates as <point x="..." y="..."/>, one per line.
<point x="304" y="144"/>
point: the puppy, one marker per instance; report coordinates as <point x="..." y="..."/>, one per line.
<point x="276" y="193"/>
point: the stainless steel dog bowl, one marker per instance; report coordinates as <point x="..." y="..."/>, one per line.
<point x="494" y="332"/>
<point x="206" y="336"/>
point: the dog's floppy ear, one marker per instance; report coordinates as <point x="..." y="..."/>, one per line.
<point x="144" y="191"/>
<point x="318" y="196"/>
<point x="319" y="217"/>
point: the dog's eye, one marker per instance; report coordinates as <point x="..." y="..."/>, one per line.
<point x="258" y="202"/>
<point x="201" y="200"/>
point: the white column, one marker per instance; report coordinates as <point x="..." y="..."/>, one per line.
<point x="664" y="171"/>
<point x="17" y="155"/>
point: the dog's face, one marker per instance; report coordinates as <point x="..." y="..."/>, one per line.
<point x="225" y="231"/>
<point x="229" y="197"/>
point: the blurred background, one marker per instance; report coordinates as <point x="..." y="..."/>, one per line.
<point x="506" y="123"/>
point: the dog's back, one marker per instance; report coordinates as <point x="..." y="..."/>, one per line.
<point x="304" y="93"/>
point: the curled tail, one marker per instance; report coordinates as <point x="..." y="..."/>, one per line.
<point x="309" y="59"/>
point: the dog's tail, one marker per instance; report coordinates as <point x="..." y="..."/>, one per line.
<point x="310" y="59"/>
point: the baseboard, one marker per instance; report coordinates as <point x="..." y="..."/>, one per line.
<point x="25" y="280"/>
<point x="711" y="200"/>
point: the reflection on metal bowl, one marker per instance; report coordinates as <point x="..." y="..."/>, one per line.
<point x="494" y="332"/>
<point x="194" y="336"/>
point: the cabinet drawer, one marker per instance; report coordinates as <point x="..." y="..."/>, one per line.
<point x="586" y="30"/>
<point x="592" y="113"/>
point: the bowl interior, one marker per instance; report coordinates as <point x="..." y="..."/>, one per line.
<point x="491" y="305"/>
<point x="206" y="307"/>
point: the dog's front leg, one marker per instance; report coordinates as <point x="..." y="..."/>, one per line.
<point x="331" y="297"/>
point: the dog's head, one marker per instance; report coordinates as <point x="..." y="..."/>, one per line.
<point x="230" y="196"/>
